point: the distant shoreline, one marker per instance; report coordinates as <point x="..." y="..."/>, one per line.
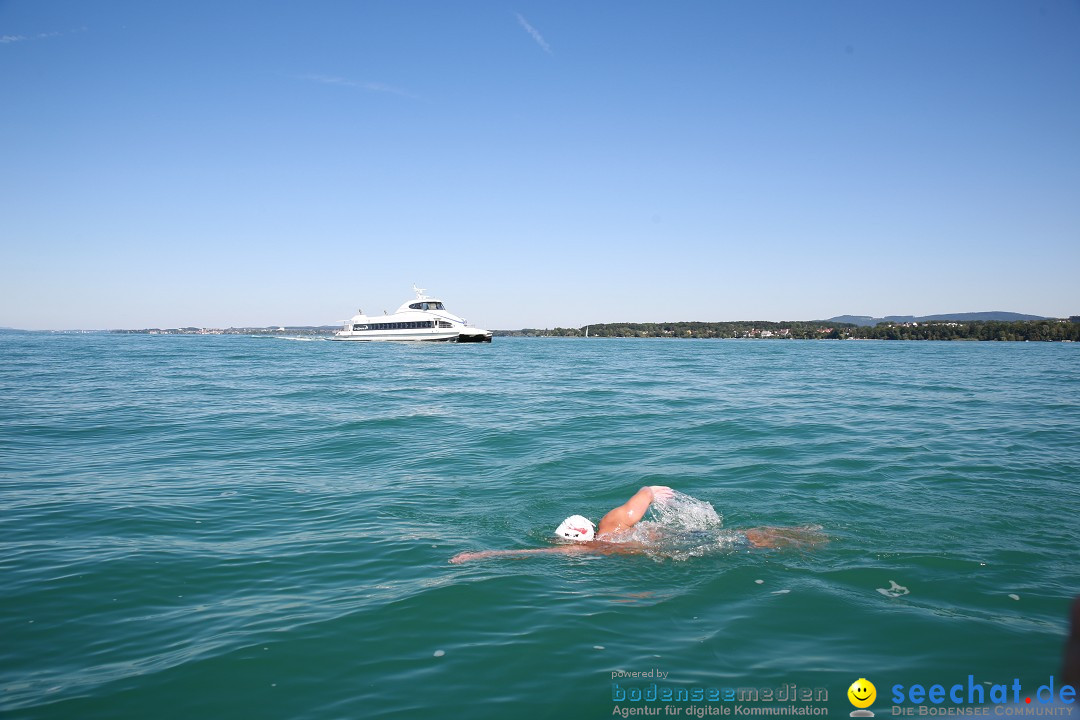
<point x="1046" y="330"/>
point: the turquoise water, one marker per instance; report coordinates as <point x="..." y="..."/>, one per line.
<point x="242" y="527"/>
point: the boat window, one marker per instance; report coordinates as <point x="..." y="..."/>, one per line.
<point x="416" y="306"/>
<point x="415" y="325"/>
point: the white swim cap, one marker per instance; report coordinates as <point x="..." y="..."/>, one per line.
<point x="576" y="527"/>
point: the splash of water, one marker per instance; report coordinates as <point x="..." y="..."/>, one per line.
<point x="681" y="527"/>
<point x="681" y="512"/>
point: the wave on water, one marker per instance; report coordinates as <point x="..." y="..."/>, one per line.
<point x="234" y="529"/>
<point x="294" y="338"/>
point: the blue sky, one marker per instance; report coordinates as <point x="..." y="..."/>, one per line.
<point x="536" y="163"/>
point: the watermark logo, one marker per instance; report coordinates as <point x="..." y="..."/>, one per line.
<point x="862" y="694"/>
<point x="977" y="698"/>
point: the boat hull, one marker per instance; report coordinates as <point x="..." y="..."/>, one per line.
<point x="403" y="337"/>
<point x="474" y="338"/>
<point x="454" y="336"/>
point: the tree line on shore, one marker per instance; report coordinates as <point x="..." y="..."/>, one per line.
<point x="1032" y="330"/>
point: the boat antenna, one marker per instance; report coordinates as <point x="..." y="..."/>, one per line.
<point x="419" y="291"/>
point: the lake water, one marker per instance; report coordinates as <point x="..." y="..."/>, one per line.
<point x="237" y="527"/>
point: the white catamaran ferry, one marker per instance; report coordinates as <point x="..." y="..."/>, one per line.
<point x="422" y="319"/>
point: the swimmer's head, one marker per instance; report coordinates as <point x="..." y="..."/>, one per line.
<point x="577" y="528"/>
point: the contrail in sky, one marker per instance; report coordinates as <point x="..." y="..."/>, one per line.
<point x="534" y="32"/>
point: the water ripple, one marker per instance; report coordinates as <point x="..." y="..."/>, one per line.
<point x="227" y="526"/>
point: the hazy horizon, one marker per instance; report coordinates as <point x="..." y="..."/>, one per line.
<point x="522" y="327"/>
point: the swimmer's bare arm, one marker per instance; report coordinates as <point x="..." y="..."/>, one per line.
<point x="564" y="549"/>
<point x="801" y="537"/>
<point x="627" y="515"/>
<point x="585" y="548"/>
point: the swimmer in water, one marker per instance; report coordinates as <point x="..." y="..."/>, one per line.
<point x="605" y="538"/>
